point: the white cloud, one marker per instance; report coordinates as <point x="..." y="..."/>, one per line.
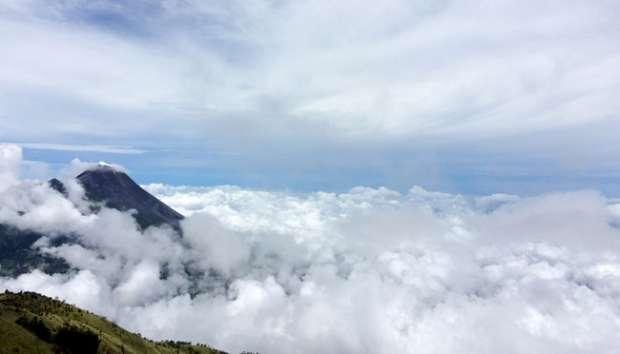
<point x="215" y="246"/>
<point x="369" y="270"/>
<point x="349" y="70"/>
<point x="143" y="284"/>
<point x="10" y="158"/>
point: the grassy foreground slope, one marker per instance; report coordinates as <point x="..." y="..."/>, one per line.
<point x="33" y="323"/>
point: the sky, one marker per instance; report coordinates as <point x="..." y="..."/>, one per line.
<point x="362" y="176"/>
<point x="496" y="96"/>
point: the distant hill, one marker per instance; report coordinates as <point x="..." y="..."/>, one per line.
<point x="33" y="323"/>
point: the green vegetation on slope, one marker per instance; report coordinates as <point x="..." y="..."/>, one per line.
<point x="33" y="323"/>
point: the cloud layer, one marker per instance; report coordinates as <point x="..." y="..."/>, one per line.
<point x="370" y="270"/>
<point x="351" y="70"/>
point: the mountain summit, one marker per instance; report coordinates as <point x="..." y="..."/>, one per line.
<point x="115" y="189"/>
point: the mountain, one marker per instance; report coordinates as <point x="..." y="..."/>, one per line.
<point x="115" y="189"/>
<point x="33" y="323"/>
<point x="18" y="257"/>
<point x="103" y="185"/>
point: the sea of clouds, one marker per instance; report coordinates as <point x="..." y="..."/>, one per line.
<point x="371" y="270"/>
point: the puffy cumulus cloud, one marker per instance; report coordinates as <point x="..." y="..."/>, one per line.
<point x="33" y="205"/>
<point x="10" y="158"/>
<point x="425" y="271"/>
<point x="369" y="270"/>
<point x="214" y="245"/>
<point x="82" y="288"/>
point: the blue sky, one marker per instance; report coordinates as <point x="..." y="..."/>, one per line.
<point x="500" y="96"/>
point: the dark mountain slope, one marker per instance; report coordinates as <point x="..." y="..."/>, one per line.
<point x="33" y="323"/>
<point x="116" y="190"/>
<point x="56" y="185"/>
<point x="17" y="255"/>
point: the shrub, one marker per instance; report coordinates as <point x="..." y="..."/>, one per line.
<point x="76" y="340"/>
<point x="36" y="327"/>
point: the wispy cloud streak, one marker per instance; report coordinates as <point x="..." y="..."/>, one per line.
<point x="109" y="149"/>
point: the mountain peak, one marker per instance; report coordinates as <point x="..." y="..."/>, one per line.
<point x="115" y="189"/>
<point x="105" y="167"/>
